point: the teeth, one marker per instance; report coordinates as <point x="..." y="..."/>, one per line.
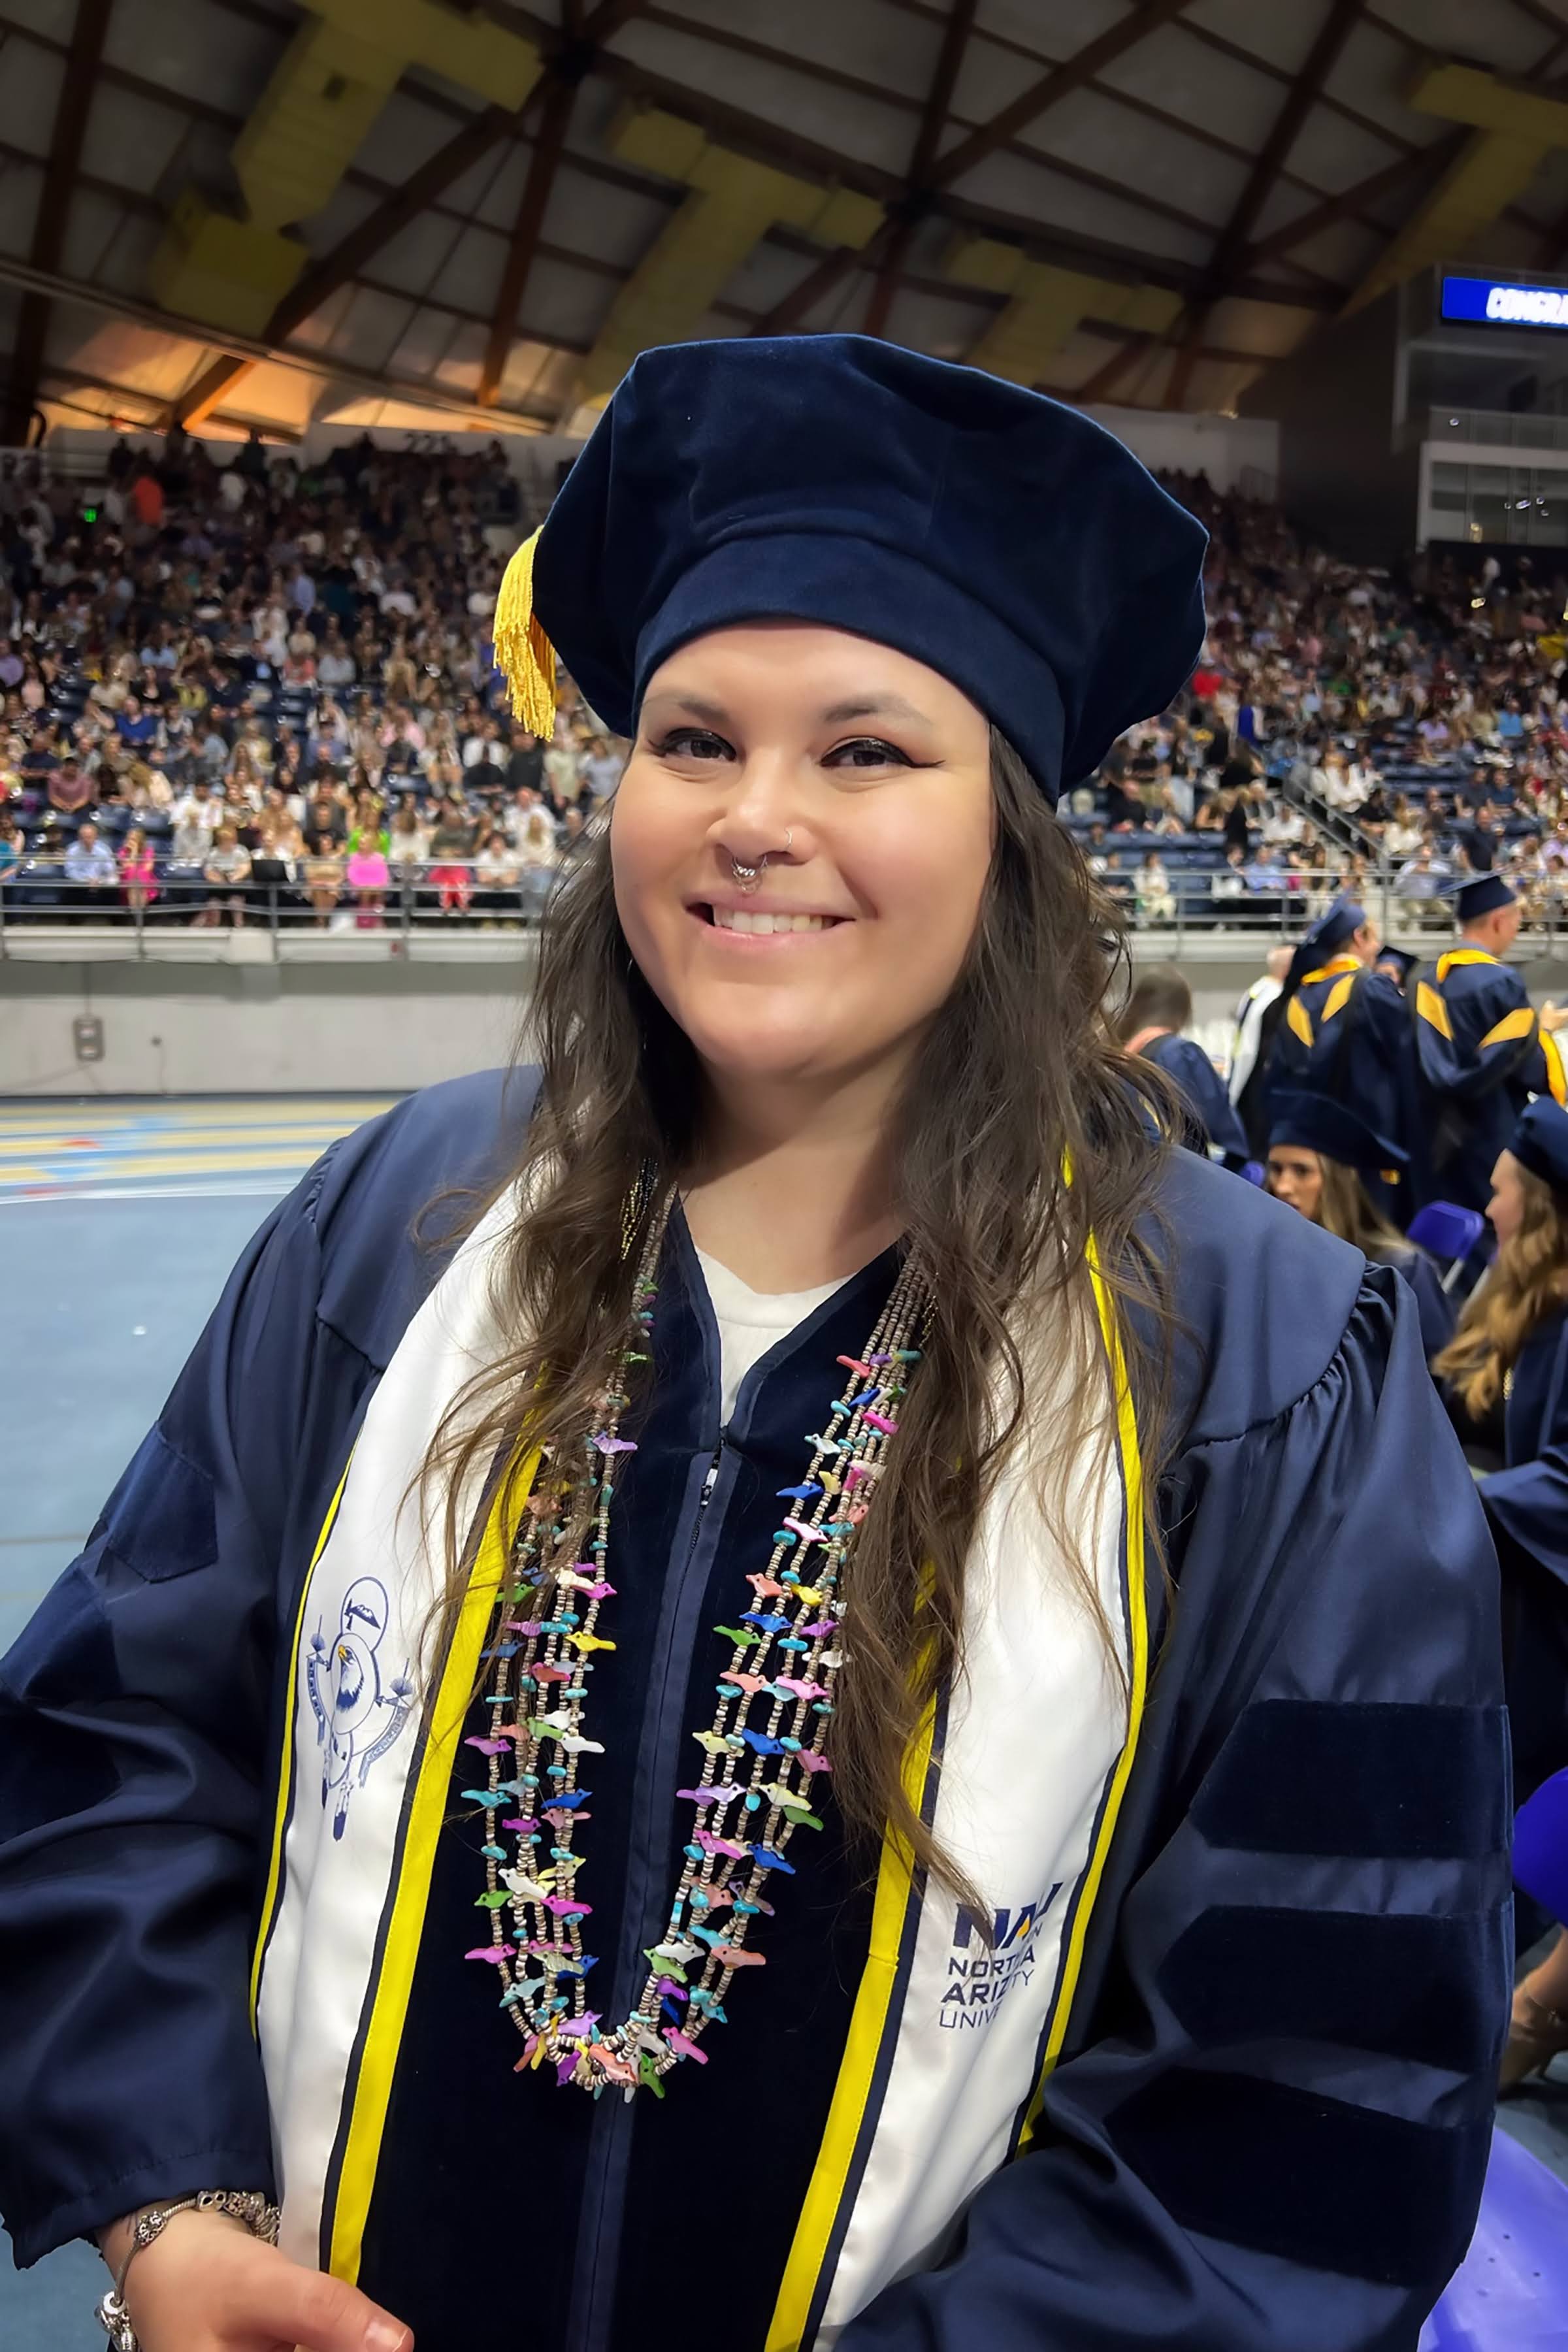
<point x="754" y="919"/>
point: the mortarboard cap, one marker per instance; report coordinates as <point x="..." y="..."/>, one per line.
<point x="1004" y="540"/>
<point x="1480" y="896"/>
<point x="1315" y="1122"/>
<point x="1540" y="1141"/>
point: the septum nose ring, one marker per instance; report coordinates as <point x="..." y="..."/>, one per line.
<point x="749" y="878"/>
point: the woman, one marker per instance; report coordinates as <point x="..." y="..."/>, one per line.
<point x="138" y="871"/>
<point x="227" y="871"/>
<point x="1319" y="1155"/>
<point x="1507" y="1382"/>
<point x="494" y="877"/>
<point x="923" y="1375"/>
<point x="451" y="845"/>
<point x="322" y="875"/>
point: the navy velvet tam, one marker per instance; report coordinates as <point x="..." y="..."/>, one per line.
<point x="1480" y="897"/>
<point x="1539" y="1142"/>
<point x="1315" y="1122"/>
<point x="1001" y="538"/>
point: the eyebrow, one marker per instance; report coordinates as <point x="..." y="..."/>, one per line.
<point x="874" y="705"/>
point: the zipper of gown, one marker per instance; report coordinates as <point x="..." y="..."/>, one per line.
<point x="591" y="2310"/>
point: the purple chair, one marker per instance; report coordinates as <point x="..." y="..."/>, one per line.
<point x="1446" y="1232"/>
<point x="1510" y="2292"/>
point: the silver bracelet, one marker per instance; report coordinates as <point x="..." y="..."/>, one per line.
<point x="258" y="2214"/>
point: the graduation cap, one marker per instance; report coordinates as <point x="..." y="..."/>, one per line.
<point x="1315" y="1122"/>
<point x="1539" y="1142"/>
<point x="1005" y="540"/>
<point x="1402" y="962"/>
<point x="1329" y="932"/>
<point x="1480" y="896"/>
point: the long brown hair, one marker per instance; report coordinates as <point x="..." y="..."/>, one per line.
<point x="1016" y="1082"/>
<point x="1529" y="1280"/>
<point x="1346" y="1209"/>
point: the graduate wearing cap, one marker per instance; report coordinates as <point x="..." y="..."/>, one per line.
<point x="1322" y="1161"/>
<point x="1481" y="1051"/>
<point x="1506" y="1376"/>
<point x="1343" y="1030"/>
<point x="608" y="1744"/>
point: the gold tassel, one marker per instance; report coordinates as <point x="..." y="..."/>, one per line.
<point x="524" y="655"/>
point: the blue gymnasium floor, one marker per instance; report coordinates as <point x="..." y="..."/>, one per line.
<point x="118" y="1224"/>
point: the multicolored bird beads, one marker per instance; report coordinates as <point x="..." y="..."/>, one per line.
<point x="766" y="1746"/>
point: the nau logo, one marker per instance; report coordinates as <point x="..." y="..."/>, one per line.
<point x="979" y="1974"/>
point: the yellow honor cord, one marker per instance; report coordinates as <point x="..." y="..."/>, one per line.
<point x="524" y="655"/>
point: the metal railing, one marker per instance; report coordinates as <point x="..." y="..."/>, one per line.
<point x="1192" y="910"/>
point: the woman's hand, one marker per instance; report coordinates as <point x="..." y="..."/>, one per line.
<point x="205" y="2284"/>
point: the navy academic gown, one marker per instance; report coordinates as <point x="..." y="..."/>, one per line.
<point x="1526" y="1504"/>
<point x="1433" y="1305"/>
<point x="1215" y="1119"/>
<point x="1481" y="1054"/>
<point x="1345" y="1033"/>
<point x="1253" y="2137"/>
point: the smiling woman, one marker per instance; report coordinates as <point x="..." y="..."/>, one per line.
<point x="774" y="1491"/>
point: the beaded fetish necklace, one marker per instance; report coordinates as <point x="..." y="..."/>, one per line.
<point x="765" y="1749"/>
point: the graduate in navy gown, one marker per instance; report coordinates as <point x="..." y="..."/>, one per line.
<point x="1344" y="1032"/>
<point x="838" y="1706"/>
<point x="1159" y="1009"/>
<point x="1481" y="1051"/>
<point x="1321" y="1159"/>
<point x="1506" y="1376"/>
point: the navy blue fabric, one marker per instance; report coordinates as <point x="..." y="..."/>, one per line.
<point x="1307" y="1776"/>
<point x="1213" y="1116"/>
<point x="1482" y="897"/>
<point x="1360" y="1057"/>
<point x="1540" y="1141"/>
<point x="1327" y="1555"/>
<point x="1433" y="1304"/>
<point x="1315" y="1122"/>
<point x="989" y="532"/>
<point x="1526" y="1505"/>
<point x="1469" y="1102"/>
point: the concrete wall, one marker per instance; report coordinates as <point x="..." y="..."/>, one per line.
<point x="256" y="1029"/>
<point x="1342" y="481"/>
<point x="1235" y="452"/>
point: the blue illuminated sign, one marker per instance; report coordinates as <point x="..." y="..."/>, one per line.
<point x="1502" y="302"/>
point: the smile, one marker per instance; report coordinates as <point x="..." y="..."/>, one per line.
<point x="765" y="923"/>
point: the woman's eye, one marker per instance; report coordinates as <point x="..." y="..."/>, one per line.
<point x="693" y="744"/>
<point x="867" y="752"/>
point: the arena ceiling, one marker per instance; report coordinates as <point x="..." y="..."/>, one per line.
<point x="414" y="213"/>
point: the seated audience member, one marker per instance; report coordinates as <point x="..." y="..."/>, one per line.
<point x="1320" y="1152"/>
<point x="228" y="870"/>
<point x="368" y="873"/>
<point x="495" y="872"/>
<point x="322" y="875"/>
<point x="1159" y="1009"/>
<point x="1506" y="1385"/>
<point x="138" y="871"/>
<point x="1153" y="896"/>
<point x="90" y="871"/>
<point x="451" y="845"/>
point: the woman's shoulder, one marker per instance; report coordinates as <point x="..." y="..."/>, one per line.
<point x="1263" y="1298"/>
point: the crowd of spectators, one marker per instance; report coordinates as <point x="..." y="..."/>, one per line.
<point x="1348" y="729"/>
<point x="265" y="690"/>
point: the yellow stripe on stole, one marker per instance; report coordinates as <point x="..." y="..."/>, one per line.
<point x="1432" y="1008"/>
<point x="1339" y="995"/>
<point x="896" y="1893"/>
<point x="1517" y="1023"/>
<point x="1447" y="963"/>
<point x="1299" y="1021"/>
<point x="1556" y="1080"/>
<point x="373" y="2090"/>
<point x="1332" y="969"/>
<point x="286" y="1761"/>
<point x="1137" y="1683"/>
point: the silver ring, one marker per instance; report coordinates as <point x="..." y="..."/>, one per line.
<point x="747" y="876"/>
